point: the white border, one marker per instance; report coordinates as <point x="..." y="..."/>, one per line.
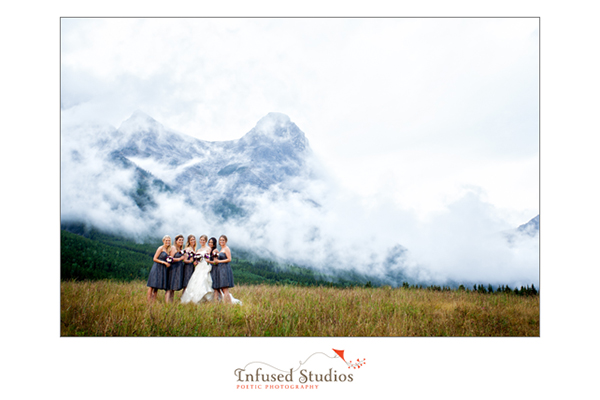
<point x="41" y="364"/>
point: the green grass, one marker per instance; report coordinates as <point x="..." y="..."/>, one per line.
<point x="110" y="308"/>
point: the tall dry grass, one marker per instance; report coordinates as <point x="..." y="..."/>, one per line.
<point x="106" y="308"/>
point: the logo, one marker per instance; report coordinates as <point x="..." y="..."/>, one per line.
<point x="324" y="369"/>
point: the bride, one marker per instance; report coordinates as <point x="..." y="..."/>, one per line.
<point x="199" y="287"/>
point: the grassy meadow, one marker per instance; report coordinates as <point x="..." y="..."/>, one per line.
<point x="110" y="308"/>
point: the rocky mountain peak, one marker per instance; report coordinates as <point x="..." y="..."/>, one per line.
<point x="276" y="130"/>
<point x="532" y="227"/>
<point x="272" y="122"/>
<point x="140" y="122"/>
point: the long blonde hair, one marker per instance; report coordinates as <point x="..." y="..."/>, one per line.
<point x="169" y="246"/>
<point x="224" y="237"/>
<point x="188" y="242"/>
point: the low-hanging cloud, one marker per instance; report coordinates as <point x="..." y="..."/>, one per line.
<point x="454" y="99"/>
<point x="309" y="220"/>
<point x="464" y="244"/>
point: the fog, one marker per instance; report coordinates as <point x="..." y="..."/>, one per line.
<point x="310" y="221"/>
<point x="425" y="133"/>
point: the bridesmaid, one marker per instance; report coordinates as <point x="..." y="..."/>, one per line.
<point x="157" y="279"/>
<point x="213" y="253"/>
<point x="189" y="264"/>
<point x="223" y="275"/>
<point x="175" y="272"/>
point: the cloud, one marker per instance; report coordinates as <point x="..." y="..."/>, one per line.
<point x="426" y="128"/>
<point x="463" y="244"/>
<point x="310" y="220"/>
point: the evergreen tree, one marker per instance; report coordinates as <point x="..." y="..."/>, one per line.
<point x="533" y="290"/>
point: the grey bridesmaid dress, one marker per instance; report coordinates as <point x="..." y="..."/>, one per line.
<point x="221" y="274"/>
<point x="157" y="278"/>
<point x="175" y="274"/>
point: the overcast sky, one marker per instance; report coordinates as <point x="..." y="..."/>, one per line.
<point x="425" y="110"/>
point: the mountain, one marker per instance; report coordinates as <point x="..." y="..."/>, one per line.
<point x="217" y="177"/>
<point x="272" y="153"/>
<point x="531" y="228"/>
<point x="528" y="230"/>
<point x="266" y="191"/>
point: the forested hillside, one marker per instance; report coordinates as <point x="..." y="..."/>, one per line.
<point x="92" y="255"/>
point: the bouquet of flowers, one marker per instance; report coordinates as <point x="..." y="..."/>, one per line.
<point x="169" y="259"/>
<point x="197" y="256"/>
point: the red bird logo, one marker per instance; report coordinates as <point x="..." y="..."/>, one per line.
<point x="350" y="364"/>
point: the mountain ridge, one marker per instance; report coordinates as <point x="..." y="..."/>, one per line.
<point x="266" y="189"/>
<point x="274" y="152"/>
<point x="532" y="227"/>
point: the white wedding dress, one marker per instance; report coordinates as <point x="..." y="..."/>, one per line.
<point x="199" y="287"/>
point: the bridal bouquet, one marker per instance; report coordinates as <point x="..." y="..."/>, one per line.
<point x="197" y="256"/>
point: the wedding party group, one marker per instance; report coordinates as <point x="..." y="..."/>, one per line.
<point x="203" y="273"/>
